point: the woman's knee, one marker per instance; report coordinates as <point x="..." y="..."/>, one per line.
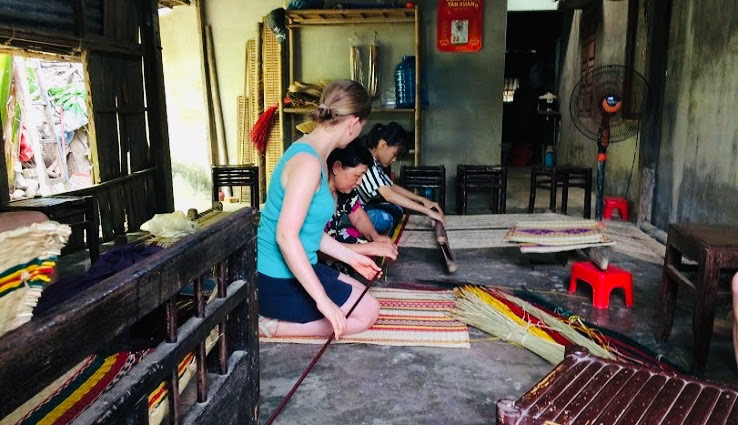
<point x="368" y="310"/>
<point x="734" y="285"/>
<point x="381" y="220"/>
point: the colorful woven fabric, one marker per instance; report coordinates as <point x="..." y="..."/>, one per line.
<point x="554" y="233"/>
<point x="406" y="318"/>
<point x="62" y="401"/>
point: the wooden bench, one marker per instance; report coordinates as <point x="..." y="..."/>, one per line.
<point x="227" y="380"/>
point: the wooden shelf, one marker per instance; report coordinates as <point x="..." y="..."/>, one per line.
<point x="298" y="18"/>
<point x="374" y="111"/>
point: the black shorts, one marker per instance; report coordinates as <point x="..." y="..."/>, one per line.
<point x="286" y="299"/>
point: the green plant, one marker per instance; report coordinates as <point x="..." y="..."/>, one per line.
<point x="71" y="97"/>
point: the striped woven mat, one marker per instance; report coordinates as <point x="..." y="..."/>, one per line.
<point x="406" y="318"/>
<point x="551" y="233"/>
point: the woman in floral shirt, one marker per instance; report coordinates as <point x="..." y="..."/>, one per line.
<point x="350" y="224"/>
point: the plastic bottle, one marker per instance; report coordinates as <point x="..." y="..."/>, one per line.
<point x="405" y="83"/>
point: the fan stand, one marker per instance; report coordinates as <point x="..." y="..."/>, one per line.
<point x="603" y="139"/>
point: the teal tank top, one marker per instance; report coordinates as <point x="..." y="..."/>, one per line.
<point x="269" y="259"/>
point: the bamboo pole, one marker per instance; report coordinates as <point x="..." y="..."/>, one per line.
<point x="48" y="109"/>
<point x="21" y="80"/>
<point x="215" y="92"/>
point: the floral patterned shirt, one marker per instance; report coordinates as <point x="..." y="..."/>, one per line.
<point x="340" y="227"/>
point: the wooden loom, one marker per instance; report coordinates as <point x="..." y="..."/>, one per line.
<point x="442" y="239"/>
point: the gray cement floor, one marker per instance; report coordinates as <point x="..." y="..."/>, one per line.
<point x="362" y="384"/>
<point x="378" y="385"/>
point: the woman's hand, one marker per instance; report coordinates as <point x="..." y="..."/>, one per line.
<point x="432" y="205"/>
<point x="335" y="316"/>
<point x="381" y="238"/>
<point x="384" y="248"/>
<point x="365" y="266"/>
<point x="438" y="216"/>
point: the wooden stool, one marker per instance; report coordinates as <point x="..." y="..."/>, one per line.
<point x="714" y="248"/>
<point x="488" y="177"/>
<point x="426" y="177"/>
<point x="602" y="282"/>
<point x="79" y="212"/>
<point x="563" y="177"/>
<point x="237" y="175"/>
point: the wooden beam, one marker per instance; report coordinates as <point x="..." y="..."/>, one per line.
<point x="156" y="102"/>
<point x="65" y="44"/>
<point x="575" y="4"/>
<point x="80" y="21"/>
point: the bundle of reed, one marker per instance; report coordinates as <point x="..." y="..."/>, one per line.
<point x="578" y="335"/>
<point x="477" y="307"/>
<point x="357" y="73"/>
<point x="373" y="78"/>
<point x="514" y="320"/>
<point x="622" y="346"/>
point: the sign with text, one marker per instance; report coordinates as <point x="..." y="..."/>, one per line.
<point x="460" y="24"/>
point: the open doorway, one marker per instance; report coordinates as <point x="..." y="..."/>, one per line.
<point x="529" y="123"/>
<point x="44" y="121"/>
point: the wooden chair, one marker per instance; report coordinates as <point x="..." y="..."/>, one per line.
<point x="237" y="176"/>
<point x="481" y="177"/>
<point x="431" y="177"/>
<point x="714" y="248"/>
<point x="551" y="178"/>
<point x="79" y="212"/>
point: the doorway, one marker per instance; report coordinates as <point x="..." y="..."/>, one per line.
<point x="529" y="123"/>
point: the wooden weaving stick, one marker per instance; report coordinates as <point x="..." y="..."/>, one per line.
<point x="442" y="239"/>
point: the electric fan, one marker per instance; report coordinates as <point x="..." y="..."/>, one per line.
<point x="608" y="106"/>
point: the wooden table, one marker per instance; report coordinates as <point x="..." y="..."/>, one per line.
<point x="714" y="248"/>
<point x="79" y="212"/>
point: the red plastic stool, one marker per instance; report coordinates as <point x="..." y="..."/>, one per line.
<point x="602" y="282"/>
<point x="620" y="204"/>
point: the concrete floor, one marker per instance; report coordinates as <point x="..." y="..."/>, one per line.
<point x="378" y="385"/>
<point x="362" y="384"/>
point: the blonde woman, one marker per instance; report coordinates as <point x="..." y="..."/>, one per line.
<point x="298" y="296"/>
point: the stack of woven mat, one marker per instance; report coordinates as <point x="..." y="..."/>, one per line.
<point x="27" y="259"/>
<point x="556" y="236"/>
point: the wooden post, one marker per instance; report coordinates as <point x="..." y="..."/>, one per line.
<point x="208" y="98"/>
<point x="21" y="81"/>
<point x="4" y="185"/>
<point x="156" y="101"/>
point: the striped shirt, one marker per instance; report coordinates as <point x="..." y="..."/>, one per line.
<point x="373" y="179"/>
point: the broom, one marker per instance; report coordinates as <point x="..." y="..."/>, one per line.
<point x="262" y="127"/>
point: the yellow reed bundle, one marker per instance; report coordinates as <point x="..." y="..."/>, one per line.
<point x="478" y="308"/>
<point x="564" y="329"/>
